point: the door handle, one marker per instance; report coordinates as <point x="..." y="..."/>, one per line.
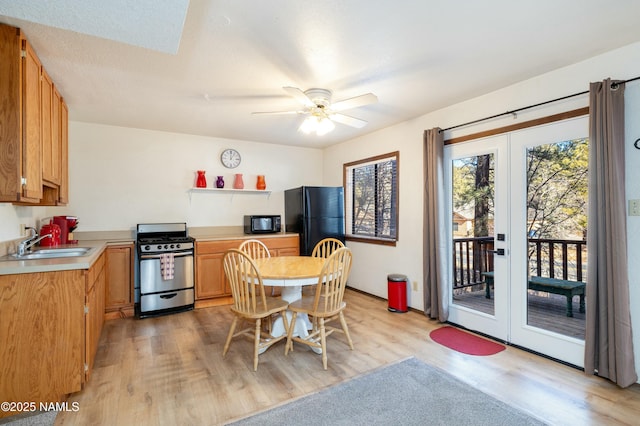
<point x="499" y="252"/>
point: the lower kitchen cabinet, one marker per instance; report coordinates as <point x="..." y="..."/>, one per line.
<point x="211" y="282"/>
<point x="94" y="309"/>
<point x="50" y="324"/>
<point x="119" y="275"/>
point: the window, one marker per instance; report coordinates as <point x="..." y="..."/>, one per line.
<point x="371" y="199"/>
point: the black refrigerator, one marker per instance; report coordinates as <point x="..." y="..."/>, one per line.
<point x="314" y="212"/>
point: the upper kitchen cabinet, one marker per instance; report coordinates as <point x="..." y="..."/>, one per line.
<point x="63" y="193"/>
<point x="33" y="133"/>
<point x="20" y="143"/>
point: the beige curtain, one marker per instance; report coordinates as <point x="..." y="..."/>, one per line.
<point x="436" y="297"/>
<point x="608" y="340"/>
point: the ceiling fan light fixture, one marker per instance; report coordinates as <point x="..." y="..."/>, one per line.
<point x="308" y="125"/>
<point x="325" y="126"/>
<point x="321" y="113"/>
<point x="316" y="124"/>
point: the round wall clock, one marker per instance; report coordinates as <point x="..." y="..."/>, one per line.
<point x="230" y="158"/>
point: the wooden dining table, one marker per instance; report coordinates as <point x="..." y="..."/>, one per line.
<point x="291" y="273"/>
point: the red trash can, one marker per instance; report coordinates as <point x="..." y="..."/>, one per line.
<point x="397" y="291"/>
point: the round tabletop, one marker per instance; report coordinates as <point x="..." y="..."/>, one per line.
<point x="289" y="267"/>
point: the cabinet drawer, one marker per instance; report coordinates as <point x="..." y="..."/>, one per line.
<point x="210" y="247"/>
<point x="156" y="302"/>
<point x="289" y="242"/>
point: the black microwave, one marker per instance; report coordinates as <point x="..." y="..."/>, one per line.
<point x="262" y="224"/>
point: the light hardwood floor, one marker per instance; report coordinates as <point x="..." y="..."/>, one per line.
<point x="170" y="371"/>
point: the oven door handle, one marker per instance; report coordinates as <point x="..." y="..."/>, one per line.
<point x="158" y="256"/>
<point x="168" y="296"/>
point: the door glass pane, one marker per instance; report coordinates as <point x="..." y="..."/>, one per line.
<point x="473" y="213"/>
<point x="557" y="232"/>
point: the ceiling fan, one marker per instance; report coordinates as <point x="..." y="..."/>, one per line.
<point x="321" y="113"/>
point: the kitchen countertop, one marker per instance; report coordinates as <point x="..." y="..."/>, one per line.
<point x="216" y="235"/>
<point x="100" y="240"/>
<point x="8" y="267"/>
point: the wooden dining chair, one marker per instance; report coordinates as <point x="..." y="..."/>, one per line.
<point x="250" y="303"/>
<point x="256" y="249"/>
<point x="326" y="247"/>
<point x="325" y="305"/>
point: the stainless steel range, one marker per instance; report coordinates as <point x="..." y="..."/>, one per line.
<point x="166" y="276"/>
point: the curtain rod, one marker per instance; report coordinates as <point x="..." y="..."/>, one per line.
<point x="613" y="85"/>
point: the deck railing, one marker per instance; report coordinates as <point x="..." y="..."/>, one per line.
<point x="552" y="258"/>
<point x="471" y="257"/>
<point x="565" y="259"/>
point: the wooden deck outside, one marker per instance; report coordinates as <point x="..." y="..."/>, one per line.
<point x="546" y="311"/>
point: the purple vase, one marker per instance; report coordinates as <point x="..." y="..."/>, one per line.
<point x="220" y="182"/>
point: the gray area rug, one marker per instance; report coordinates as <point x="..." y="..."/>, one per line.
<point x="409" y="393"/>
<point x="39" y="418"/>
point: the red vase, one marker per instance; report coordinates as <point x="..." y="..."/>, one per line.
<point x="201" y="181"/>
<point x="261" y="184"/>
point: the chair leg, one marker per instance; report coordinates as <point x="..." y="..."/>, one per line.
<point x="346" y="329"/>
<point x="229" y="336"/>
<point x="323" y="343"/>
<point x="256" y="344"/>
<point x="289" y="327"/>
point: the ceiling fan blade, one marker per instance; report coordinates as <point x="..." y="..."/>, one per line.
<point x="348" y="120"/>
<point x="277" y="112"/>
<point x="300" y="96"/>
<point x="355" y="102"/>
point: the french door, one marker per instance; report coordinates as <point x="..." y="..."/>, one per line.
<point x="518" y="208"/>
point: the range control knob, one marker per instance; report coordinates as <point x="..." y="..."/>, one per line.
<point x="147" y="248"/>
<point x="159" y="247"/>
<point x="166" y="246"/>
<point x="173" y="246"/>
<point x="177" y="246"/>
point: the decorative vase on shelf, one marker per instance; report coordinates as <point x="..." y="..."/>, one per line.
<point x="220" y="182"/>
<point x="238" y="183"/>
<point x="261" y="184"/>
<point x="201" y="181"/>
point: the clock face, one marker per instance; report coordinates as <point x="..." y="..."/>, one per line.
<point x="230" y="158"/>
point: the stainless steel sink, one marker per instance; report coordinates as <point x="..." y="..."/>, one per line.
<point x="51" y="253"/>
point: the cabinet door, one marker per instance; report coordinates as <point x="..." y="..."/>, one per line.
<point x="119" y="276"/>
<point x="41" y="336"/>
<point x="56" y="141"/>
<point x="31" y="104"/>
<point x="210" y="278"/>
<point x="46" y="109"/>
<point x="63" y="197"/>
<point x="91" y="340"/>
<point x="94" y="317"/>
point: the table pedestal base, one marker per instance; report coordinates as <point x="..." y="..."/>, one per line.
<point x="302" y="325"/>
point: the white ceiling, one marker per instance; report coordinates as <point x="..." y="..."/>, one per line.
<point x="203" y="66"/>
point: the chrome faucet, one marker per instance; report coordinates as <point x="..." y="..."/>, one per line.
<point x="33" y="239"/>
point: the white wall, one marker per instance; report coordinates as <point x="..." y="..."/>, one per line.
<point x="372" y="263"/>
<point x="121" y="176"/>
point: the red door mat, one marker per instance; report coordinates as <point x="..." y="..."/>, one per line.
<point x="464" y="342"/>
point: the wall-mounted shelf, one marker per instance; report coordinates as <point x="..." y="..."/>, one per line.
<point x="230" y="191"/>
